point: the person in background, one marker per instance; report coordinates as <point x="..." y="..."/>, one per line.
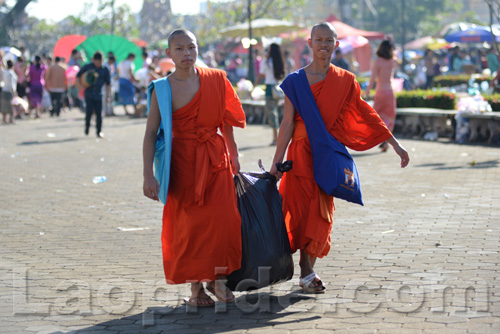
<point x="272" y="71"/>
<point x="114" y="86"/>
<point x="256" y="62"/>
<point x="36" y="83"/>
<point x="289" y="63"/>
<point x="22" y="80"/>
<point x="93" y="93"/>
<point x="339" y="61"/>
<point x="56" y="84"/>
<point x="126" y="78"/>
<point x="75" y="58"/>
<point x="459" y="61"/>
<point x="430" y="67"/>
<point x="492" y="60"/>
<point x="8" y="92"/>
<point x="384" y="101"/>
<point x="209" y="59"/>
<point x="146" y="59"/>
<point x="2" y="69"/>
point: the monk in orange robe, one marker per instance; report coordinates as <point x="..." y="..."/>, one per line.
<point x="201" y="236"/>
<point x="307" y="209"/>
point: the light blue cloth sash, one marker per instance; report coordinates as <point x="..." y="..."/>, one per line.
<point x="163" y="148"/>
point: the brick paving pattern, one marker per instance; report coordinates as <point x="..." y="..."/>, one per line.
<point x="422" y="255"/>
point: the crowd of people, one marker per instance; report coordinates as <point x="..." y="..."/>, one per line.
<point x="34" y="85"/>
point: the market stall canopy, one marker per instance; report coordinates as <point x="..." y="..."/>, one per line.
<point x="120" y="46"/>
<point x="345" y="30"/>
<point x="11" y="53"/>
<point x="260" y="27"/>
<point x="66" y="44"/>
<point x="350" y="43"/>
<point x="360" y="48"/>
<point x="474" y="34"/>
<point x="427" y="42"/>
<point x="454" y="27"/>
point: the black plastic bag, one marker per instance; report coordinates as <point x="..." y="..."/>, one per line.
<point x="266" y="256"/>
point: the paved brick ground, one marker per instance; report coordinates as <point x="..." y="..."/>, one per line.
<point x="422" y="255"/>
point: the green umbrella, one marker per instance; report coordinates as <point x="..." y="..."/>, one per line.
<point x="120" y="46"/>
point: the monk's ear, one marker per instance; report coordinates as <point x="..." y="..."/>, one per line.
<point x="309" y="42"/>
<point x="167" y="52"/>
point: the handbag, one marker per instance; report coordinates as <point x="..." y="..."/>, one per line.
<point x="334" y="169"/>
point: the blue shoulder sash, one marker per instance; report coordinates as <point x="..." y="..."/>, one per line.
<point x="163" y="148"/>
<point x="334" y="169"/>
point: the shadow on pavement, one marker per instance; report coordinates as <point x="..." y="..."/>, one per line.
<point x="247" y="148"/>
<point x="248" y="312"/>
<point x="43" y="142"/>
<point x="470" y="165"/>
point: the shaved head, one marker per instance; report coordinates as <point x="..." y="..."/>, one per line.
<point x="178" y="32"/>
<point x="324" y="25"/>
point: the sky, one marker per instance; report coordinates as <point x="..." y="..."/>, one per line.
<point x="56" y="10"/>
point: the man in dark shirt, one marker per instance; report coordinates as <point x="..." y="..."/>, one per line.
<point x="339" y="61"/>
<point x="95" y="76"/>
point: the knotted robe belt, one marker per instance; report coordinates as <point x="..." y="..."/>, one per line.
<point x="210" y="150"/>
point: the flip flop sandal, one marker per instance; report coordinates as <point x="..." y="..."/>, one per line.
<point x="195" y="301"/>
<point x="218" y="294"/>
<point x="305" y="284"/>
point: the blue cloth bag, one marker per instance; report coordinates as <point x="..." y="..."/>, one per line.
<point x="334" y="169"/>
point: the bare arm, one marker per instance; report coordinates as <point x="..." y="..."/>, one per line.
<point x="227" y="133"/>
<point x="132" y="77"/>
<point x="400" y="150"/>
<point x="108" y="92"/>
<point x="151" y="186"/>
<point x="284" y="137"/>
<point x="260" y="77"/>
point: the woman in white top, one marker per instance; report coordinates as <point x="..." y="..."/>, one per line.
<point x="272" y="70"/>
<point x="8" y="92"/>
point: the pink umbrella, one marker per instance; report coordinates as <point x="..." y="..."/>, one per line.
<point x="66" y="44"/>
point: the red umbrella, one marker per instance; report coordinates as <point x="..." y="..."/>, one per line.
<point x="139" y="42"/>
<point x="166" y="64"/>
<point x="66" y="44"/>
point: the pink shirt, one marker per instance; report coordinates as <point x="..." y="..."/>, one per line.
<point x="382" y="73"/>
<point x="20" y="69"/>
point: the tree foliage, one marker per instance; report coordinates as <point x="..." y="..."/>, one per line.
<point x="40" y="36"/>
<point x="224" y="14"/>
<point x="420" y="17"/>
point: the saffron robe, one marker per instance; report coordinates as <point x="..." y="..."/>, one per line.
<point x="201" y="236"/>
<point x="308" y="211"/>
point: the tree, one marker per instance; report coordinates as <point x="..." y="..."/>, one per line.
<point x="10" y="20"/>
<point x="40" y="36"/>
<point x="420" y="17"/>
<point x="224" y="14"/>
<point x="494" y="7"/>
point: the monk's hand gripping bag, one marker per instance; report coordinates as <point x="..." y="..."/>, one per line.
<point x="266" y="255"/>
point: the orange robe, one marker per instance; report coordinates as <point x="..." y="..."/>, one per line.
<point x="201" y="237"/>
<point x="307" y="209"/>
